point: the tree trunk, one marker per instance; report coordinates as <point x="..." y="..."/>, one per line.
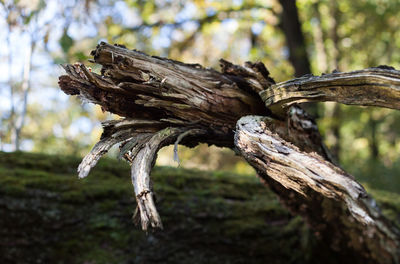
<point x="166" y="102"/>
<point x="298" y="57"/>
<point x="290" y="24"/>
<point x="26" y="86"/>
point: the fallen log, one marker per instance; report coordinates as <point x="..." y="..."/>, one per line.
<point x="168" y="102"/>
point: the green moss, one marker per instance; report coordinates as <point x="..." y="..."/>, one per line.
<point x="48" y="215"/>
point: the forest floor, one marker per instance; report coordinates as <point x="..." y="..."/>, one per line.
<point x="48" y="215"/>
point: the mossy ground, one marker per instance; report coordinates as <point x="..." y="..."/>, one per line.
<point x="48" y="215"/>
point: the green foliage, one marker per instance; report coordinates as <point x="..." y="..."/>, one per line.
<point x="343" y="34"/>
<point x="66" y="41"/>
<point x="356" y="35"/>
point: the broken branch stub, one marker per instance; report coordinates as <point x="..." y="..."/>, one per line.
<point x="142" y="158"/>
<point x="140" y="142"/>
<point x="379" y="86"/>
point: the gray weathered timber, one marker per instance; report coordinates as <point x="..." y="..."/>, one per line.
<point x="154" y="94"/>
<point x="338" y="207"/>
<point x="142" y="163"/>
<point x="168" y="102"/>
<point x="139" y="141"/>
<point x="136" y="85"/>
<point x="378" y="86"/>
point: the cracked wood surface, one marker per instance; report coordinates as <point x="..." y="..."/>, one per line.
<point x="135" y="85"/>
<point x="200" y="105"/>
<point x="378" y="86"/>
<point x="153" y="94"/>
<point x="332" y="201"/>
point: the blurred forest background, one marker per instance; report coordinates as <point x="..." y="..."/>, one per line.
<point x="290" y="37"/>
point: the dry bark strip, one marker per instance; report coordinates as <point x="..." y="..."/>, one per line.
<point x="378" y="86"/>
<point x="143" y="156"/>
<point x="165" y="102"/>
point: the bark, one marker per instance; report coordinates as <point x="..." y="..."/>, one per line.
<point x="155" y="94"/>
<point x="378" y="86"/>
<point x="135" y="85"/>
<point x="334" y="204"/>
<point x="169" y="102"/>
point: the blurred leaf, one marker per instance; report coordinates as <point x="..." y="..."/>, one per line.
<point x="148" y="10"/>
<point x="80" y="56"/>
<point x="115" y="30"/>
<point x="28" y="18"/>
<point x="66" y="41"/>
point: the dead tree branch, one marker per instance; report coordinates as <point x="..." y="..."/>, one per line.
<point x="334" y="204"/>
<point x="378" y="86"/>
<point x="168" y="102"/>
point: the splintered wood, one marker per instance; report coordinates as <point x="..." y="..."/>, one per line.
<point x="165" y="102"/>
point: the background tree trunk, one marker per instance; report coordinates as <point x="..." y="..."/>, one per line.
<point x="294" y="38"/>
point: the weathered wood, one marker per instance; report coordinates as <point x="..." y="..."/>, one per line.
<point x="136" y="85"/>
<point x="195" y="104"/>
<point x="140" y="141"/>
<point x="143" y="156"/>
<point x="155" y="94"/>
<point x="378" y="86"/>
<point x="336" y="206"/>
